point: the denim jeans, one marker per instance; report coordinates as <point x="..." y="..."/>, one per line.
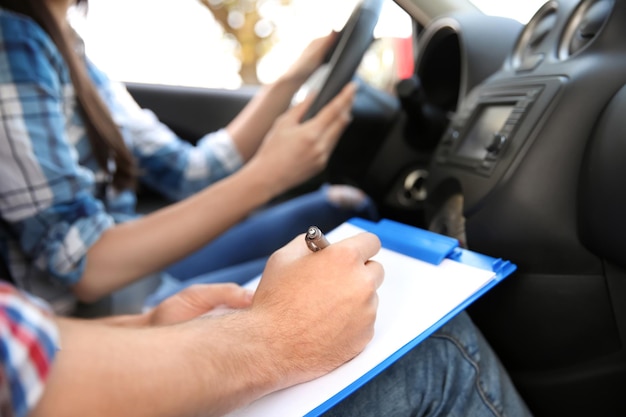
<point x="453" y="373"/>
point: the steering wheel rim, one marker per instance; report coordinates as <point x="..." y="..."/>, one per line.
<point x="353" y="41"/>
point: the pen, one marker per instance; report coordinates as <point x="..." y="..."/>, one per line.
<point x="315" y="239"/>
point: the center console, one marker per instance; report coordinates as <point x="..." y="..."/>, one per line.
<point x="494" y="124"/>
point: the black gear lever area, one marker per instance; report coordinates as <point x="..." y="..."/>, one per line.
<point x="425" y="122"/>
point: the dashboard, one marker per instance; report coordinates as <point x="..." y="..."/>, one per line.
<point x="535" y="152"/>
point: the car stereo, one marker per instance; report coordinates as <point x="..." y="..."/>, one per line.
<point x="482" y="130"/>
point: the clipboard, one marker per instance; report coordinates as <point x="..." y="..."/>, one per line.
<point x="429" y="279"/>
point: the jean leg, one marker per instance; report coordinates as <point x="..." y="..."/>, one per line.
<point x="453" y="373"/>
<point x="268" y="230"/>
<point x="239" y="274"/>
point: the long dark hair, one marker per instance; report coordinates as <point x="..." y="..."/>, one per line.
<point x="104" y="135"/>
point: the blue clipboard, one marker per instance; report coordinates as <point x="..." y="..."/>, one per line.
<point x="434" y="259"/>
<point x="432" y="248"/>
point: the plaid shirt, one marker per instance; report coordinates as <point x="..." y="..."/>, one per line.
<point x="52" y="211"/>
<point x="28" y="342"/>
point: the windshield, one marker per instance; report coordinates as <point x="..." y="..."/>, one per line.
<point x="521" y="10"/>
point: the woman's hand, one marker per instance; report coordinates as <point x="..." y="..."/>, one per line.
<point x="310" y="59"/>
<point x="252" y="124"/>
<point x="294" y="151"/>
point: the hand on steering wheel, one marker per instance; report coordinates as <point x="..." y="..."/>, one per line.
<point x="345" y="57"/>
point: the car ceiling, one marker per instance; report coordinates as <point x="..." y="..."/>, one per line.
<point x="424" y="11"/>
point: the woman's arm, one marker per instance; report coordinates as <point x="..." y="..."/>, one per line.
<point x="63" y="229"/>
<point x="178" y="169"/>
<point x="291" y="153"/>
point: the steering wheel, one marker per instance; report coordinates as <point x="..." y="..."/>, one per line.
<point x="345" y="57"/>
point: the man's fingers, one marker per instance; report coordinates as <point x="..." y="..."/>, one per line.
<point x="208" y="296"/>
<point x="366" y="243"/>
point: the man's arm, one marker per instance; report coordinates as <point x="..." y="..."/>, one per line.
<point x="180" y="370"/>
<point x="212" y="365"/>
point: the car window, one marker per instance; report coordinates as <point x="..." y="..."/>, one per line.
<point x="521" y="10"/>
<point x="181" y="43"/>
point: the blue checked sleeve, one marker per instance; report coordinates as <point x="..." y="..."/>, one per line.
<point x="46" y="192"/>
<point x="167" y="163"/>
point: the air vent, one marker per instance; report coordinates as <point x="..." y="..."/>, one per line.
<point x="528" y="52"/>
<point x="585" y="24"/>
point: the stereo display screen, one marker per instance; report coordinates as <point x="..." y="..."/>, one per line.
<point x="489" y="122"/>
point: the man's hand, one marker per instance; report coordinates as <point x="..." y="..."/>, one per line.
<point x="318" y="309"/>
<point x="197" y="300"/>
